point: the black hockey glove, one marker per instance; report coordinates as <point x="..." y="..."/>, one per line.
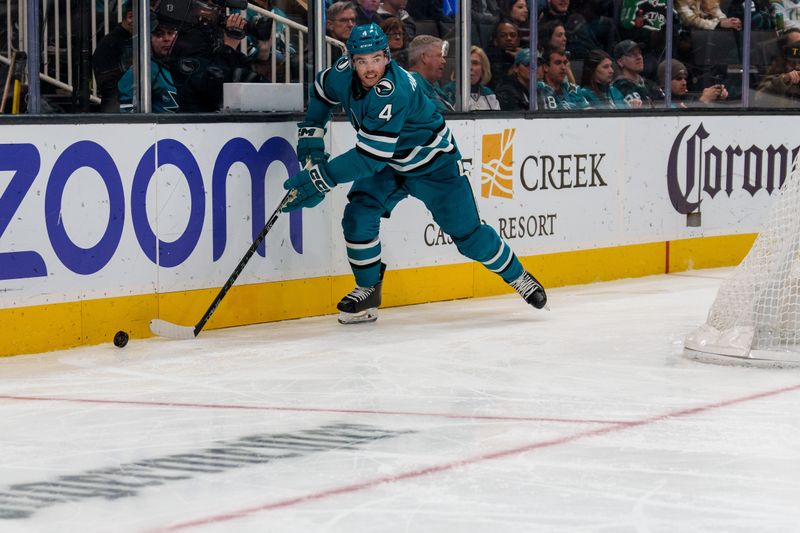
<point x="310" y="184"/>
<point x="310" y="144"/>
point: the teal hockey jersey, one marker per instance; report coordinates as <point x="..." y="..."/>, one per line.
<point x="395" y="123"/>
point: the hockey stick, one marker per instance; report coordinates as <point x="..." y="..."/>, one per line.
<point x="162" y="328"/>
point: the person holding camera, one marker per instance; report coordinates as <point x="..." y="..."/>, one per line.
<point x="207" y="53"/>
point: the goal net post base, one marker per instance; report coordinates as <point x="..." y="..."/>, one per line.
<point x="756" y="313"/>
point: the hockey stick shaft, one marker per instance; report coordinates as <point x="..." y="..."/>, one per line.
<point x="243" y="262"/>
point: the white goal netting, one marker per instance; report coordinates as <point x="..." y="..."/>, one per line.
<point x="756" y="314"/>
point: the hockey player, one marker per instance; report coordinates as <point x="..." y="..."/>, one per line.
<point x="403" y="147"/>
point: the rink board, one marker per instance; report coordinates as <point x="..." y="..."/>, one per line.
<point x="107" y="226"/>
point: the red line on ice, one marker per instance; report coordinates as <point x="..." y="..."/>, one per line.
<point x="174" y="405"/>
<point x="355" y="487"/>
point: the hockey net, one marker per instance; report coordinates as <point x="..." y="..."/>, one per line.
<point x="756" y="314"/>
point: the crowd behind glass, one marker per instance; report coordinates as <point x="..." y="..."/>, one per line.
<point x="581" y="54"/>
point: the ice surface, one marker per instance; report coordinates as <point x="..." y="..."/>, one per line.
<point x="468" y="416"/>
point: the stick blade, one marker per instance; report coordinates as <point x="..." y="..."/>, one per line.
<point x="162" y="328"/>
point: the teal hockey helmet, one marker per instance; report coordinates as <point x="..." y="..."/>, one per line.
<point x="367" y="39"/>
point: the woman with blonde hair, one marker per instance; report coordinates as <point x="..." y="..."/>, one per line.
<point x="482" y="98"/>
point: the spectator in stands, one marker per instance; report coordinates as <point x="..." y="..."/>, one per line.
<point x="679" y="87"/>
<point x="553" y="35"/>
<point x="503" y="50"/>
<point x="590" y="26"/>
<point x="482" y="98"/>
<point x="394" y="29"/>
<point x="517" y="12"/>
<point x="341" y="19"/>
<point x="598" y="73"/>
<point x="781" y="87"/>
<point x="397" y="8"/>
<point x="555" y="10"/>
<point x="112" y="57"/>
<point x="554" y="92"/>
<point x="513" y="90"/>
<point x="644" y="22"/>
<point x="367" y="11"/>
<point x="637" y="90"/>
<point x="705" y="15"/>
<point x="426" y="59"/>
<point x="485" y="11"/>
<point x="163" y="94"/>
<point x="203" y="59"/>
<point x="765" y="53"/>
<point x="426" y="10"/>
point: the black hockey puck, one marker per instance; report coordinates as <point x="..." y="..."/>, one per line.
<point x="120" y="339"/>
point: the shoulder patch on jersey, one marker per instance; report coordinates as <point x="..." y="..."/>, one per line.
<point x="384" y="87"/>
<point x="343" y="64"/>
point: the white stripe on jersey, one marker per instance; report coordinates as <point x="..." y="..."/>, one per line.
<point x="319" y="83"/>
<point x="444" y="135"/>
<point x="362" y="262"/>
<point x="354" y="246"/>
<point x="377" y="138"/>
<point x="496" y="256"/>
<point x="383" y="154"/>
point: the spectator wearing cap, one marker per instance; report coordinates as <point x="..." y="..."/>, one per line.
<point x="598" y="72"/>
<point x="112" y="56"/>
<point x="782" y="89"/>
<point x="513" y="89"/>
<point x="705" y="15"/>
<point x="679" y="87"/>
<point x="637" y="90"/>
<point x="503" y="49"/>
<point x="482" y="98"/>
<point x="554" y="92"/>
<point x="426" y="59"/>
<point x="162" y="93"/>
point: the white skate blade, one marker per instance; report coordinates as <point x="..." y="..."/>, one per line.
<point x="367" y="315"/>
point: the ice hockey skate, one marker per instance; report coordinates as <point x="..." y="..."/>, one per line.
<point x="530" y="289"/>
<point x="360" y="305"/>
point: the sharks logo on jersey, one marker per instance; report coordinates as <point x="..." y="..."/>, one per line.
<point x="343" y="64"/>
<point x="384" y="87"/>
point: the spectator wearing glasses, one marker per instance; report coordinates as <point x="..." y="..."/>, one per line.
<point x="554" y="92"/>
<point x="341" y="19"/>
<point x="426" y="58"/>
<point x="598" y="73"/>
<point x="395" y="31"/>
<point x="397" y="8"/>
<point x="781" y="88"/>
<point x="679" y="86"/>
<point x="637" y="90"/>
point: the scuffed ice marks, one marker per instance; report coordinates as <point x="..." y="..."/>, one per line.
<point x="23" y="500"/>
